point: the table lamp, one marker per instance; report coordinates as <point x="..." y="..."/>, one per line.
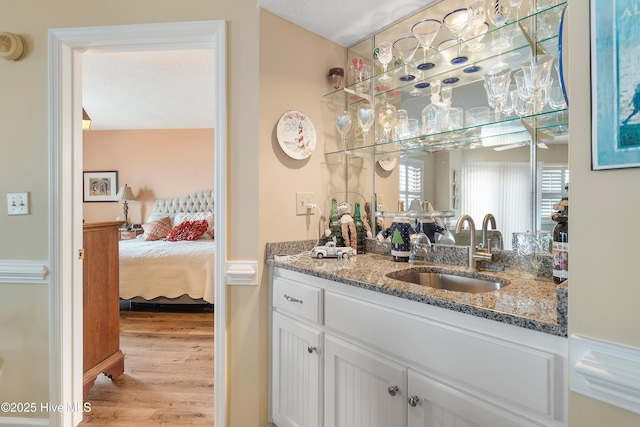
<point x="125" y="195"/>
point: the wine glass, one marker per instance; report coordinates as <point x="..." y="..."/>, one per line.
<point x="384" y="54"/>
<point x="420" y="242"/>
<point x="498" y="13"/>
<point x="537" y="72"/>
<point x="556" y="96"/>
<point x="456" y="22"/>
<point x="475" y="20"/>
<point x="387" y="117"/>
<point x="496" y="85"/>
<point x="366" y="116"/>
<point x="426" y="31"/>
<point x="343" y="123"/>
<point x="406" y="47"/>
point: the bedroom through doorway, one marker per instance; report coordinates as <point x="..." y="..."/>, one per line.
<point x="67" y="47"/>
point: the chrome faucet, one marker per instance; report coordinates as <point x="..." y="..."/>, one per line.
<point x="474" y="256"/>
<point x="486" y="246"/>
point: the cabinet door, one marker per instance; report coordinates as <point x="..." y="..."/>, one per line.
<point x="296" y="383"/>
<point x="362" y="389"/>
<point x="434" y="404"/>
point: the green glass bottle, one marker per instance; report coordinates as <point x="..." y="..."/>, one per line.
<point x="360" y="230"/>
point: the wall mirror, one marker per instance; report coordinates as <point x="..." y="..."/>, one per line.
<point x="470" y="169"/>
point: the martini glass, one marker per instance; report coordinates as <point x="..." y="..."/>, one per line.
<point x="456" y="22"/>
<point x="498" y="13"/>
<point x="425" y="31"/>
<point x="384" y="54"/>
<point x="366" y="116"/>
<point x="343" y="123"/>
<point x="406" y="47"/>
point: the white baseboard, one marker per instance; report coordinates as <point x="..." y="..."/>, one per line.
<point x="23" y="271"/>
<point x="16" y="422"/>
<point x="605" y="371"/>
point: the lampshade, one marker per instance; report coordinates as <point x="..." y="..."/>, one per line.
<point x="86" y="120"/>
<point x="125" y="194"/>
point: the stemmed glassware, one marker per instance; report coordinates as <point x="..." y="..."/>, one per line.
<point x="537" y="72"/>
<point x="343" y="123"/>
<point x="366" y="116"/>
<point x="497" y="86"/>
<point x="556" y="96"/>
<point x="387" y="116"/>
<point x="456" y="22"/>
<point x="426" y="31"/>
<point x="406" y="47"/>
<point x="384" y="53"/>
<point x="475" y="20"/>
<point x="419" y="243"/>
<point x="498" y="13"/>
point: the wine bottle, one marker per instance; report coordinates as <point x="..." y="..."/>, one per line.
<point x="334" y="224"/>
<point x="360" y="230"/>
<point x="561" y="246"/>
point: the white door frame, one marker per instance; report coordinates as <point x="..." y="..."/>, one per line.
<point x="65" y="191"/>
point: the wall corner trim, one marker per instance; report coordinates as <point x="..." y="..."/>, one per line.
<point x="23" y="271"/>
<point x="242" y="273"/>
<point x="605" y="371"/>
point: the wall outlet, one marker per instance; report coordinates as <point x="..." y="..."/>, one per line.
<point x="18" y="203"/>
<point x="302" y="200"/>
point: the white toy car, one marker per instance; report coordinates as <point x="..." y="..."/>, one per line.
<point x="330" y="250"/>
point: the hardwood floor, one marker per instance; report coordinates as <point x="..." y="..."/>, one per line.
<point x="168" y="377"/>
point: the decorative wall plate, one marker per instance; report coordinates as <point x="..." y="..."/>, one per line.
<point x="388" y="164"/>
<point x="296" y="135"/>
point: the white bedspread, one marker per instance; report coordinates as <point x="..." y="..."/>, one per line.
<point x="169" y="269"/>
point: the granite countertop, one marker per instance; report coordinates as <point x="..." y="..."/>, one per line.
<point x="538" y="304"/>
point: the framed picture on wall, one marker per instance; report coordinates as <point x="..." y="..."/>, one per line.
<point x="615" y="84"/>
<point x="100" y="186"/>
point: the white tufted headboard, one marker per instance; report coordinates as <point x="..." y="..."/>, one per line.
<point x="200" y="201"/>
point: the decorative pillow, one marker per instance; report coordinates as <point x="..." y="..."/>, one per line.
<point x="195" y="216"/>
<point x="188" y="230"/>
<point x="156" y="230"/>
<point x="157" y="216"/>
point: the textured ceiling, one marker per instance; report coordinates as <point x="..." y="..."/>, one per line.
<point x="344" y="22"/>
<point x="149" y="90"/>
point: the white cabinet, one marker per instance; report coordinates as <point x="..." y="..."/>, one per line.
<point x="343" y="356"/>
<point x="435" y="404"/>
<point x="361" y="388"/>
<point x="297" y="383"/>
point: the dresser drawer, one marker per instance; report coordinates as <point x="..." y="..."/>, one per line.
<point x="298" y="299"/>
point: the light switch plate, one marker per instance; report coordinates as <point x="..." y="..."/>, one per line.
<point x="302" y="200"/>
<point x="18" y="203"/>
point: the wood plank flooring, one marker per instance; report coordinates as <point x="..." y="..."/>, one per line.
<point x="168" y="378"/>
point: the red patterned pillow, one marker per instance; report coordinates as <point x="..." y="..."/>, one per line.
<point x="188" y="230"/>
<point x="156" y="230"/>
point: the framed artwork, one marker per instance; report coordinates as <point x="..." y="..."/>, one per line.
<point x="100" y="186"/>
<point x="615" y="84"/>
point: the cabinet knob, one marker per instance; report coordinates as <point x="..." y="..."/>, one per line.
<point x="413" y="401"/>
<point x="393" y="390"/>
<point x="311" y="349"/>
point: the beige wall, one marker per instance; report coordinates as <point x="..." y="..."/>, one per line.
<point x="24" y="167"/>
<point x="603" y="289"/>
<point x="154" y="163"/>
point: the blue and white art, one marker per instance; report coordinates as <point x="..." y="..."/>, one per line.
<point x="615" y="79"/>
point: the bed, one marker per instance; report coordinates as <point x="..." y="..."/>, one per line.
<point x="171" y="272"/>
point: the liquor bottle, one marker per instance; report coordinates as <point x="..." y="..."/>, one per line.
<point x="360" y="230"/>
<point x="561" y="246"/>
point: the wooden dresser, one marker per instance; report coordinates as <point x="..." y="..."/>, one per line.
<point x="101" y="315"/>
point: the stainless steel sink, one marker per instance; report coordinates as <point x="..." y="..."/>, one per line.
<point x="446" y="281"/>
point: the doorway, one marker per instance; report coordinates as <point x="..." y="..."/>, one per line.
<point x="65" y="193"/>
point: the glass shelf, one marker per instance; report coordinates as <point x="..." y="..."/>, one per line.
<point x="549" y="125"/>
<point x="416" y="214"/>
<point x="543" y="24"/>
